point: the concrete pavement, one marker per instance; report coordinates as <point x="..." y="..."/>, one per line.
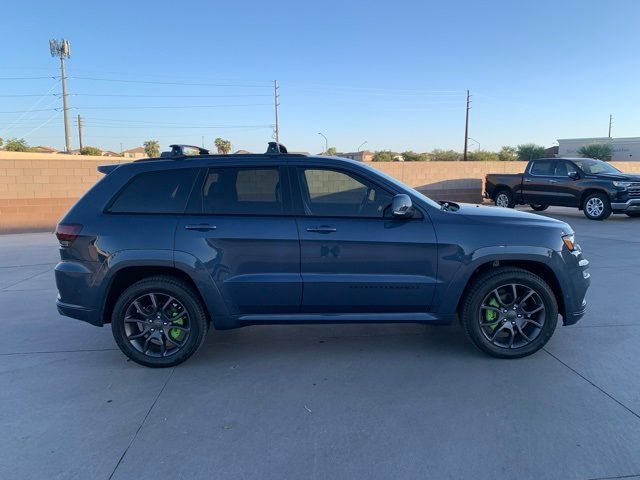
<point x="323" y="401"/>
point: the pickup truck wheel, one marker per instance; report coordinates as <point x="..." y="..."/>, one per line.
<point x="597" y="206"/>
<point x="504" y="198"/>
<point x="159" y="322"/>
<point x="539" y="208"/>
<point x="509" y="312"/>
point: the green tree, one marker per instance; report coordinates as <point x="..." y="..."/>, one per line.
<point x="17" y="145"/>
<point x="508" y="154"/>
<point x="411" y="156"/>
<point x="483" y="156"/>
<point x="331" y="151"/>
<point x="600" y="151"/>
<point x="91" y="151"/>
<point x="1" y="142"/>
<point x="530" y="151"/>
<point x="384" y="156"/>
<point x="223" y="146"/>
<point x="152" y="148"/>
<point x="438" y="155"/>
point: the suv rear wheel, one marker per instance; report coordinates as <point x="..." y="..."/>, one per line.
<point x="538" y="208"/>
<point x="159" y="322"/>
<point x="509" y="312"/>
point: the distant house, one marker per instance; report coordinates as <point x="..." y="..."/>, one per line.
<point x="44" y="149"/>
<point x="110" y="153"/>
<point x="551" y="152"/>
<point x="362" y="156"/>
<point x="137" y="152"/>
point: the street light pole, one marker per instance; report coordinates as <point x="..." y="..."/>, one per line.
<point x="326" y="142"/>
<point x="476" y="141"/>
<point x="361" y="145"/>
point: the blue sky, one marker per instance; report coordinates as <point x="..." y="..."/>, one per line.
<point x="393" y="74"/>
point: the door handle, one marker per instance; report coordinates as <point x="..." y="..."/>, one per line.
<point x="553" y="181"/>
<point x="201" y="227"/>
<point x="527" y="180"/>
<point x="321" y="229"/>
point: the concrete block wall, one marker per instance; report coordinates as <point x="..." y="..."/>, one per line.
<point x="37" y="189"/>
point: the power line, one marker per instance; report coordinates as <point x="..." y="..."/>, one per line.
<point x="149" y="82"/>
<point x="29" y="78"/>
<point x="142" y="107"/>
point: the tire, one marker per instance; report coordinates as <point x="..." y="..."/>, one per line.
<point x="596" y="206"/>
<point x="504" y="198"/>
<point x="506" y="328"/>
<point x="632" y="214"/>
<point x="539" y="208"/>
<point x="153" y="336"/>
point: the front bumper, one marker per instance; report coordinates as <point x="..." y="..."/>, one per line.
<point x="632" y="205"/>
<point x="576" y="285"/>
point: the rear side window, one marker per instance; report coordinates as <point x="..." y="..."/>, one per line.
<point x="242" y="191"/>
<point x="542" y="167"/>
<point x="156" y="192"/>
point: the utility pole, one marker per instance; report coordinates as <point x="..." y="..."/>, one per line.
<point x="610" y="123"/>
<point x="62" y="49"/>
<point x="276" y="97"/>
<point x="80" y="132"/>
<point x="466" y="127"/>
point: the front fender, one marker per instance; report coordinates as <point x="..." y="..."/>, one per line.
<point x="451" y="292"/>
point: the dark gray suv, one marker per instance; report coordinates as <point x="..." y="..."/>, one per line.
<point x="165" y="248"/>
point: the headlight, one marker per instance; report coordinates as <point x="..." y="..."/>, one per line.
<point x="569" y="241"/>
<point x="621" y="184"/>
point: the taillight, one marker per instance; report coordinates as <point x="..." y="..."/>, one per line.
<point x="67" y="233"/>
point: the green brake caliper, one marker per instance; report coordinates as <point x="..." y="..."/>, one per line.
<point x="176" y="333"/>
<point x="490" y="315"/>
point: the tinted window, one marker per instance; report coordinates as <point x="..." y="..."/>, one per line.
<point x="543" y="167"/>
<point x="561" y="169"/>
<point x="156" y="192"/>
<point x="242" y="191"/>
<point x="333" y="193"/>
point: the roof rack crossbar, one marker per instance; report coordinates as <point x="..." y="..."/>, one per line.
<point x="177" y="150"/>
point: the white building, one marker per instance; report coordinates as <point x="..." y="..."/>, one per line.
<point x="624" y="149"/>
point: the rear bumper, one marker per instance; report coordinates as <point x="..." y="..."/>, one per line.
<point x="79" y="312"/>
<point x="632" y="205"/>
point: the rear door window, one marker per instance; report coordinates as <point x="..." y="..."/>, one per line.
<point x="542" y="168"/>
<point x="242" y="191"/>
<point x="165" y="191"/>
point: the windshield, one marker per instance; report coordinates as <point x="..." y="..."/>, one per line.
<point x="594" y="167"/>
<point x="402" y="185"/>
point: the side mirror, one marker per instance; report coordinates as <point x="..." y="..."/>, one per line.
<point x="402" y="207"/>
<point x="573" y="175"/>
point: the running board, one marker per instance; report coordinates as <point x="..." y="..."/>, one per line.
<point x="412" y="317"/>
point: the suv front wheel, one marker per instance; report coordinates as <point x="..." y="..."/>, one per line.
<point x="159" y="322"/>
<point x="509" y="312"/>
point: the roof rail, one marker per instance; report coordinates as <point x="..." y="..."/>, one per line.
<point x="177" y="150"/>
<point x="276" y="148"/>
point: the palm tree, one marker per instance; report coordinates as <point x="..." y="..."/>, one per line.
<point x="152" y="148"/>
<point x="223" y="146"/>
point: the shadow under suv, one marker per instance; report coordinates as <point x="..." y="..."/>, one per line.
<point x="165" y="248"/>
